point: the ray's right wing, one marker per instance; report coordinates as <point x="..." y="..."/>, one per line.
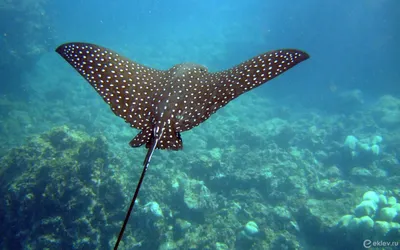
<point x="128" y="87"/>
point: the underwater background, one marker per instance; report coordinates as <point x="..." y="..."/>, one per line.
<point x="307" y="161"/>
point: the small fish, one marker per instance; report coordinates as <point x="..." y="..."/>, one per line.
<point x="164" y="103"/>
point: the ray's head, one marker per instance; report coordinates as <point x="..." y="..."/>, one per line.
<point x="188" y="72"/>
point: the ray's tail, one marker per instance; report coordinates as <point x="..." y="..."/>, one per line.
<point x="154" y="142"/>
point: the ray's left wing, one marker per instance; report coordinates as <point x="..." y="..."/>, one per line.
<point x="252" y="73"/>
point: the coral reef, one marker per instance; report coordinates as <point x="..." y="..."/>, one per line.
<point x="278" y="179"/>
<point x="59" y="193"/>
<point x="387" y="111"/>
<point x="376" y="218"/>
<point x="26" y="35"/>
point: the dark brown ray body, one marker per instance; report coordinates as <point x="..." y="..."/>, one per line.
<point x="181" y="97"/>
<point x="163" y="103"/>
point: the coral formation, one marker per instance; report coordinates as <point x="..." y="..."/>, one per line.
<point x="387" y="111"/>
<point x="365" y="147"/>
<point x="374" y="218"/>
<point x="58" y="193"/>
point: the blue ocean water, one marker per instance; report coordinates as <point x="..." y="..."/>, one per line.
<point x="309" y="160"/>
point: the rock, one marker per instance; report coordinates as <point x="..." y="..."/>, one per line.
<point x="382" y="228"/>
<point x="387" y="111"/>
<point x="372" y="196"/>
<point x="251" y="228"/>
<point x="387" y="214"/>
<point x="47" y="183"/>
<point x="361" y="172"/>
<point x="351" y="142"/>
<point x="391" y="201"/>
<point x="221" y="246"/>
<point x="382" y="200"/>
<point x="318" y="218"/>
<point x="154" y="209"/>
<point x="345" y="221"/>
<point x="366" y="224"/>
<point x="196" y="195"/>
<point x="366" y="208"/>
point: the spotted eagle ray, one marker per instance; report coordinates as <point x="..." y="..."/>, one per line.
<point x="164" y="103"/>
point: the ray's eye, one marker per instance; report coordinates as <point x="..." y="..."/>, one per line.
<point x="179" y="117"/>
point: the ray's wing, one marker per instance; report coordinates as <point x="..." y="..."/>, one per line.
<point x="252" y="73"/>
<point x="128" y="87"/>
<point x="212" y="91"/>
